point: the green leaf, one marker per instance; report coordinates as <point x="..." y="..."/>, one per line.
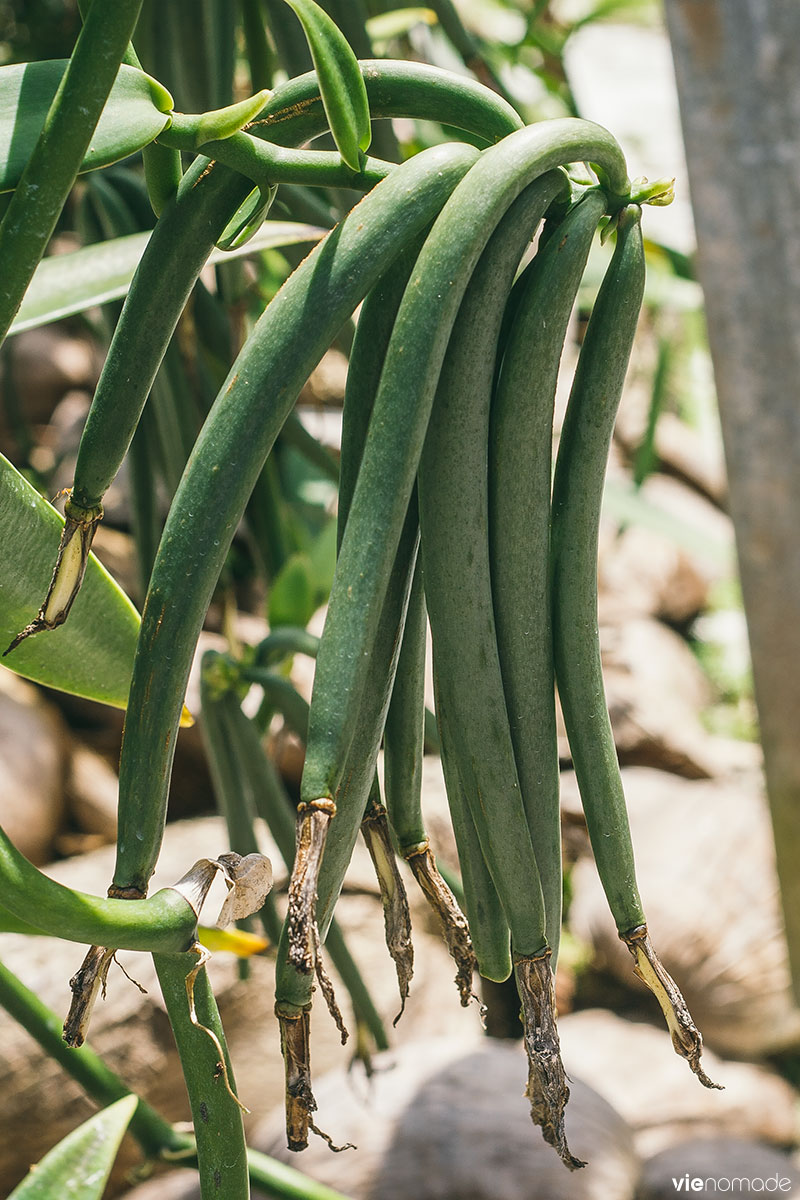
<point x="92" y="654"/>
<point x="79" y="1166"/>
<point x="292" y="597"/>
<point x="137" y="111"/>
<point x="69" y="283"/>
<point x="344" y="94"/>
<point x="322" y="556"/>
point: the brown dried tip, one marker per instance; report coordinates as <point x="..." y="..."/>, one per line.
<point x="547" y="1081"/>
<point x="312" y="830"/>
<point x="686" y="1038"/>
<point x="73" y="555"/>
<point x="396" y="917"/>
<point x="85" y="984"/>
<point x="300" y="1102"/>
<point x="454" y="923"/>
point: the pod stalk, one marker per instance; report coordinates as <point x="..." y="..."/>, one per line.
<point x="547" y="1087"/>
<point x="313" y="819"/>
<point x="73" y="555"/>
<point x="454" y="924"/>
<point x="686" y="1038"/>
<point x="396" y="916"/>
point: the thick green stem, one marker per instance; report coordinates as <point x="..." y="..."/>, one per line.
<point x="166" y="922"/>
<point x="216" y="1113"/>
<point x="267" y="164"/>
<point x="46" y="181"/>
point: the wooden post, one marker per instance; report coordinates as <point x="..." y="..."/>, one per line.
<point x="737" y="64"/>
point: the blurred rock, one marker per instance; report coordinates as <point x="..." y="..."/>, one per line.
<point x="444" y="1121"/>
<point x="62" y="438"/>
<point x="706" y="868"/>
<point x="645" y="574"/>
<point x="92" y="794"/>
<point x="655" y="690"/>
<point x="45" y="363"/>
<point x="117" y="553"/>
<point x="38" y="1104"/>
<point x="739" y="1167"/>
<point x="634" y="1067"/>
<point x="325" y="388"/>
<point x="33" y="752"/>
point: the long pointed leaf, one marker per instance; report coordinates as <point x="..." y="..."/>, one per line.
<point x="79" y="1166"/>
<point x="92" y="655"/>
<point x="71" y="283"/>
<point x="136" y="112"/>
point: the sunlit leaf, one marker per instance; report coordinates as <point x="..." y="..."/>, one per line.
<point x="92" y="654"/>
<point x="79" y="1166"/>
<point x="69" y="283"/>
<point x="135" y="113"/>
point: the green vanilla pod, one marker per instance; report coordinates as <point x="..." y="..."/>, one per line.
<point x="372" y="338"/>
<point x="342" y="89"/>
<point x="521" y="433"/>
<point x="167" y="921"/>
<point x="488" y="928"/>
<point x="297" y="951"/>
<point x="402" y="409"/>
<point x="577" y="495"/>
<point x="454" y="519"/>
<point x="403" y="741"/>
<point x="228" y="456"/>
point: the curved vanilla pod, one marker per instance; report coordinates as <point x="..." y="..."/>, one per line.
<point x="577" y="496"/>
<point x="401" y="412"/>
<point x="453" y="496"/>
<point x="315" y="888"/>
<point x="488" y="928"/>
<point x="520" y="473"/>
<point x="373" y="334"/>
<point x="386" y="479"/>
<point x="167" y="921"/>
<point x="228" y="456"/>
<point x="403" y="745"/>
<point x="394" y="89"/>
